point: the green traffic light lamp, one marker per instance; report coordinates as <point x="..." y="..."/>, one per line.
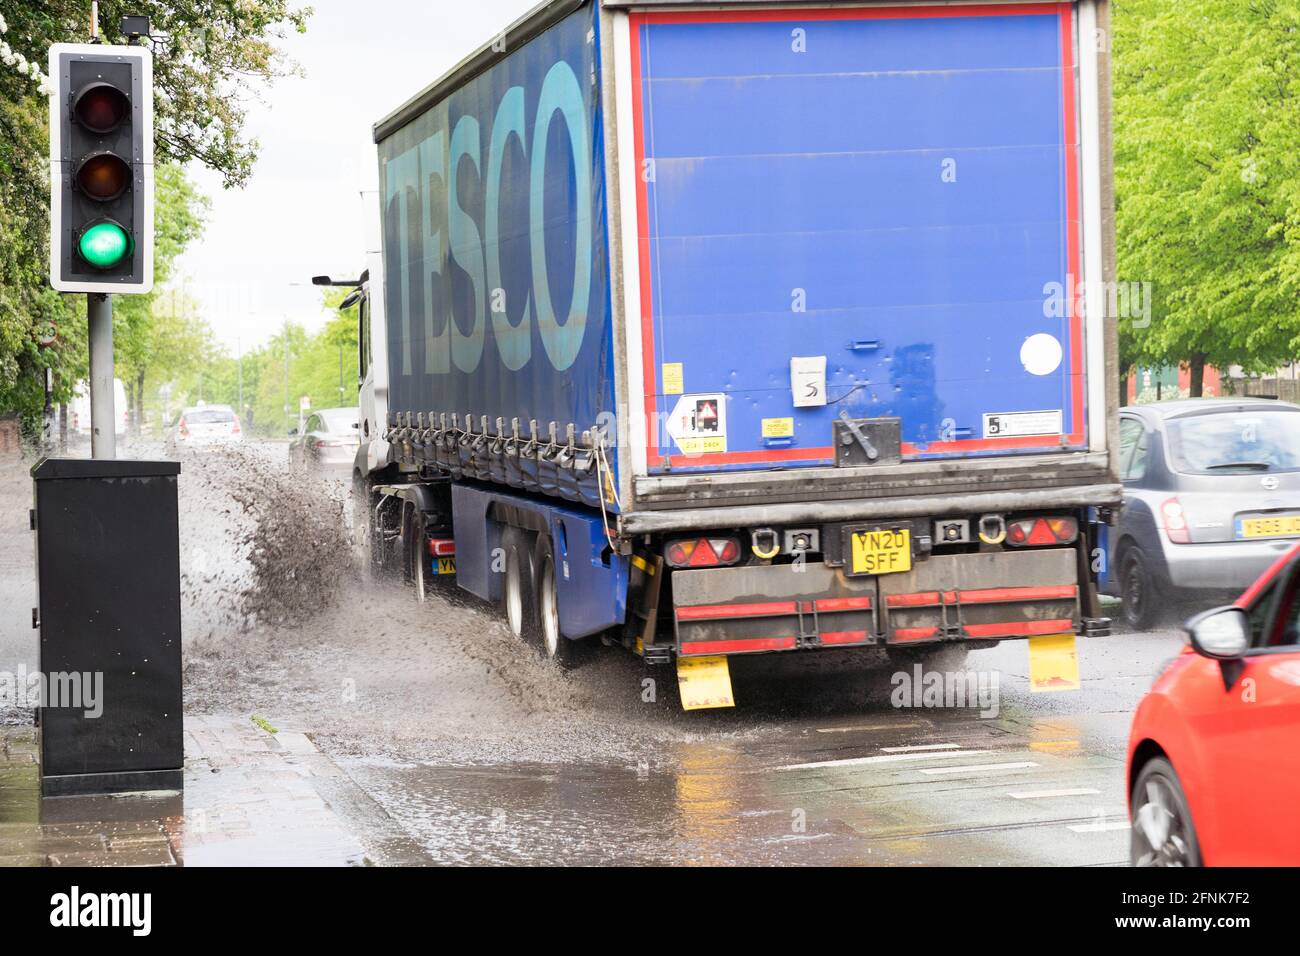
<point x="104" y="244"/>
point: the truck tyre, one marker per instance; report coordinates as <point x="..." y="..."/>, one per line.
<point x="1138" y="590"/>
<point x="421" y="572"/>
<point x="518" y="592"/>
<point x="407" y="539"/>
<point x="363" y="535"/>
<point x="555" y="646"/>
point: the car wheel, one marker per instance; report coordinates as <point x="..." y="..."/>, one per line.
<point x="1138" y="591"/>
<point x="518" y="591"/>
<point x="555" y="646"/>
<point x="1163" y="834"/>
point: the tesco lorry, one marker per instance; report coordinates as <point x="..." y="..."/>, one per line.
<point x="719" y="329"/>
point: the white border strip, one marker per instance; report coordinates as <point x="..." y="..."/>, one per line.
<point x="1095" y="318"/>
<point x="621" y="71"/>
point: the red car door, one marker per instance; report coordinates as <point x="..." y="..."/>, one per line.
<point x="1251" y="735"/>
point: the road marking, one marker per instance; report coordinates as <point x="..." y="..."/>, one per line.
<point x="1036" y="794"/>
<point x="884" y="758"/>
<point x="847" y="730"/>
<point x="977" y="768"/>
<point x="1103" y="827"/>
<point x="903" y="750"/>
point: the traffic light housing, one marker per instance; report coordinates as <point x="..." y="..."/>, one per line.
<point x="101" y="168"/>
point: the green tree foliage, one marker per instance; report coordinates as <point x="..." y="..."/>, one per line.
<point x="1207" y="135"/>
<point x="28" y="306"/>
<point x="292" y="365"/>
<point x="147" y="333"/>
<point x="210" y="59"/>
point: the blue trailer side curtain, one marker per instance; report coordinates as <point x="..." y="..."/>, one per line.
<point x="495" y="247"/>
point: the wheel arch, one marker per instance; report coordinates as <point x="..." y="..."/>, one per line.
<point x="1146" y="750"/>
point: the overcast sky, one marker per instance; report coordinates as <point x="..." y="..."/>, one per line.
<point x="301" y="213"/>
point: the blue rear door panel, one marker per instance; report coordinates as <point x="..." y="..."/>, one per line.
<point x="899" y="196"/>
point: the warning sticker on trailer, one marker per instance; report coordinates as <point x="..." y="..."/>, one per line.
<point x="672" y="378"/>
<point x="1022" y="424"/>
<point x="778" y="428"/>
<point x="698" y="424"/>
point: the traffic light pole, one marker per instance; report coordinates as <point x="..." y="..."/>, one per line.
<point x="103" y="416"/>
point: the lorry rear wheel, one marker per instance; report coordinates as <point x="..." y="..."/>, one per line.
<point x="555" y="646"/>
<point x="420" y="570"/>
<point x="518" y="591"/>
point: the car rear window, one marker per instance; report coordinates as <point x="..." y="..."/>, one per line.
<point x="209" y="416"/>
<point x="1235" y="442"/>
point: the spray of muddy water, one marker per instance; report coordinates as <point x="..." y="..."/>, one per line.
<point x="280" y="621"/>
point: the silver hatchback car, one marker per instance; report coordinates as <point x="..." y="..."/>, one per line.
<point x="328" y="442"/>
<point x="1211" y="499"/>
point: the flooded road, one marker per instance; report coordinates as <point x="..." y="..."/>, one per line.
<point x="460" y="745"/>
<point x="829" y="779"/>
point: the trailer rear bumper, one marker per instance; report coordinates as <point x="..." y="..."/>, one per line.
<point x="988" y="596"/>
<point x="816" y="511"/>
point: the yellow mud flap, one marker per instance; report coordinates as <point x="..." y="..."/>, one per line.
<point x="1053" y="663"/>
<point x="704" y="682"/>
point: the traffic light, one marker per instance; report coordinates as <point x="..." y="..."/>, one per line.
<point x="101" y="168"/>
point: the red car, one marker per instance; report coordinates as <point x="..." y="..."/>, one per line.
<point x="1214" y="753"/>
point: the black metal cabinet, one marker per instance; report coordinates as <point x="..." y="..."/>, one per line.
<point x="108" y="584"/>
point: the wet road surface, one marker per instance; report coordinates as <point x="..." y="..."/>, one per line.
<point x="457" y="744"/>
<point x="836" y="780"/>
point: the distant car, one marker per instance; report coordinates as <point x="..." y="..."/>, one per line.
<point x="204" y="426"/>
<point x="1211" y="498"/>
<point x="328" y="441"/>
<point x="1213" y="761"/>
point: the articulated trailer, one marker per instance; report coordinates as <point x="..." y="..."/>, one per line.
<point x="719" y="329"/>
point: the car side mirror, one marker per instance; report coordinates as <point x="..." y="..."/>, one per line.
<point x="1222" y="634"/>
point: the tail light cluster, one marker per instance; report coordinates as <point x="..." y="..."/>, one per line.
<point x="183" y="428"/>
<point x="442" y="547"/>
<point x="702" y="552"/>
<point x="1175" y="521"/>
<point x="1037" y="532"/>
<point x="235" y="429"/>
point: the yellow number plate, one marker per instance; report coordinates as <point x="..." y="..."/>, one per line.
<point x="1279" y="526"/>
<point x="882" y="552"/>
<point x="446" y="565"/>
